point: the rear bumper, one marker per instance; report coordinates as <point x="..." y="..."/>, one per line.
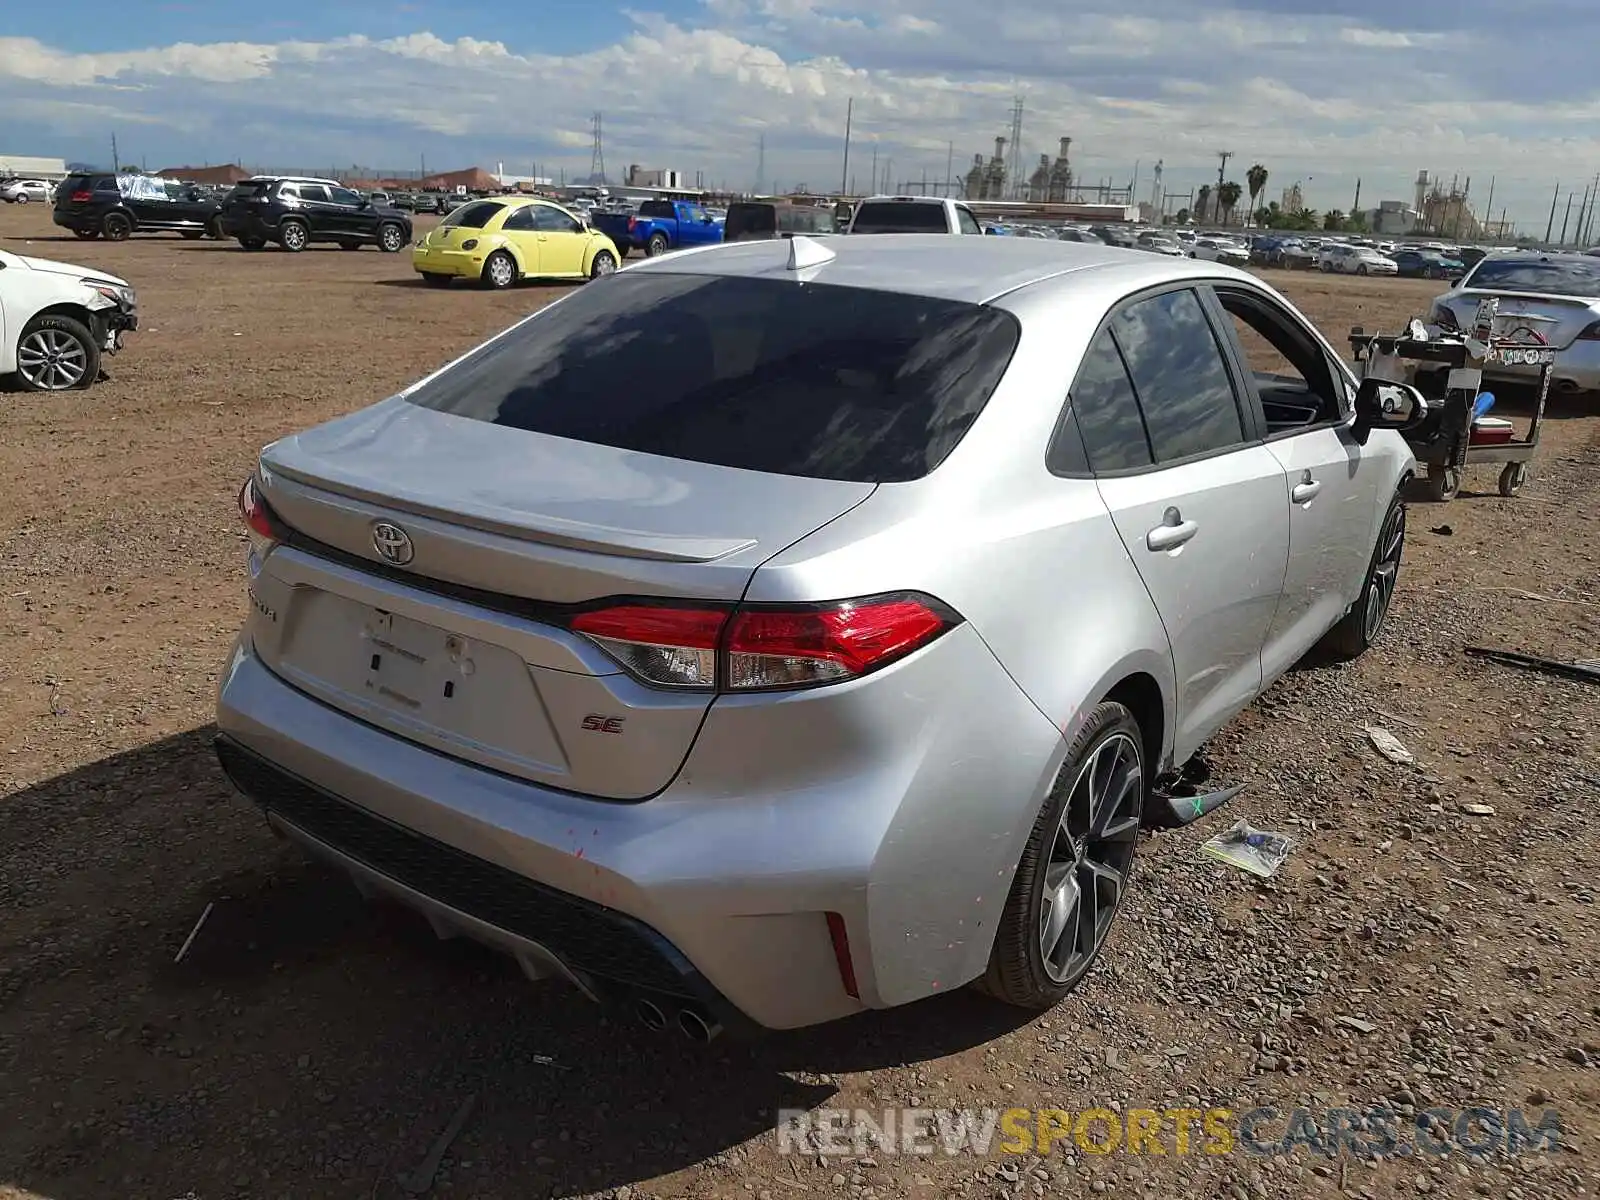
<point x="246" y="225"/>
<point x="903" y="809"/>
<point x="78" y="222"/>
<point x="458" y="264"/>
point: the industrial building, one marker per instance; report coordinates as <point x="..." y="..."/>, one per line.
<point x="22" y="166"/>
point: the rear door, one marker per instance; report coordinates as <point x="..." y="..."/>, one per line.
<point x="347" y="214"/>
<point x="1196" y="498"/>
<point x="316" y="206"/>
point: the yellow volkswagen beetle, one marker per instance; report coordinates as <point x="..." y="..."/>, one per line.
<point x="506" y="238"/>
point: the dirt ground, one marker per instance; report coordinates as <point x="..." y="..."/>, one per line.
<point x="1414" y="952"/>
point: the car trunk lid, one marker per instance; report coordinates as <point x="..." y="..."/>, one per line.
<point x="1557" y="319"/>
<point x="459" y="642"/>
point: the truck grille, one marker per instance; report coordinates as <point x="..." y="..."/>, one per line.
<point x="589" y="938"/>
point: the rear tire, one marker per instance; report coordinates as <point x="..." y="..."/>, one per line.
<point x="116" y="227"/>
<point x="293" y="236"/>
<point x="1355" y="634"/>
<point x="499" y="271"/>
<point x="1081" y="849"/>
<point x="657" y="245"/>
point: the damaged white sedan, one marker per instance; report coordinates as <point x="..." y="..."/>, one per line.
<point x="57" y="320"/>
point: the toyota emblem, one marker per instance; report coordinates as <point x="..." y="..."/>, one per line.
<point x="392" y="543"/>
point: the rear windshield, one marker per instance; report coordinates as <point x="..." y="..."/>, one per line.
<point x="761" y="374"/>
<point x="471" y="216"/>
<point x="1549" y="276"/>
<point x="87" y="183"/>
<point x="657" y="208"/>
<point x="892" y="216"/>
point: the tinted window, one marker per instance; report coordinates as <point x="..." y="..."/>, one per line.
<point x="519" y="220"/>
<point x="553" y="220"/>
<point x="347" y="197"/>
<point x="744" y="219"/>
<point x="900" y="216"/>
<point x="471" y="216"/>
<point x="818" y="381"/>
<point x="967" y="222"/>
<point x="313" y="191"/>
<point x="1178" y="372"/>
<point x="1551" y="276"/>
<point x="657" y="208"/>
<point x="1108" y="411"/>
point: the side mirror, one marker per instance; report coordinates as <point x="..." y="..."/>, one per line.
<point x="1381" y="404"/>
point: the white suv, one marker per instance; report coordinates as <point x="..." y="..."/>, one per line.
<point x="913" y="214"/>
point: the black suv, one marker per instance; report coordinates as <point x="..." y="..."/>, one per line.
<point x="296" y="212"/>
<point x="104" y="205"/>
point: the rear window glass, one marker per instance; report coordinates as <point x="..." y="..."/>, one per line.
<point x="471" y="216"/>
<point x="760" y="374"/>
<point x="657" y="208"/>
<point x="891" y="216"/>
<point x="1550" y="276"/>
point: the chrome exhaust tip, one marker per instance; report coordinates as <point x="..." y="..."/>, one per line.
<point x="697" y="1027"/>
<point x="650" y="1014"/>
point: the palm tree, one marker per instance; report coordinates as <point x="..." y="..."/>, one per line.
<point x="1202" y="199"/>
<point x="1256" y="177"/>
<point x="1228" y="196"/>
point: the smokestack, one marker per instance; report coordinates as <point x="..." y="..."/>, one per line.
<point x="1066" y="144"/>
<point x="1000" y="148"/>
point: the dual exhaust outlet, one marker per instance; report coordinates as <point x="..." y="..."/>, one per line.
<point x="693" y="1022"/>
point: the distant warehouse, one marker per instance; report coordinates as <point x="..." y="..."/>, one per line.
<point x="21" y="166"/>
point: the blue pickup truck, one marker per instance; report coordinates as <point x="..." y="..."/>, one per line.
<point x="659" y="226"/>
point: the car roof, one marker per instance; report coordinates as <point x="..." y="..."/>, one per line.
<point x="291" y="179"/>
<point x="944" y="266"/>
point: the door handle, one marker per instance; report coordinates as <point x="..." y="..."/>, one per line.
<point x="1305" y="491"/>
<point x="1173" y="532"/>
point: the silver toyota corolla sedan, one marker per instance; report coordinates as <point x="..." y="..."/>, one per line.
<point x="789" y="628"/>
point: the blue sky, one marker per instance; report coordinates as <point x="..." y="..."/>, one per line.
<point x="1320" y="91"/>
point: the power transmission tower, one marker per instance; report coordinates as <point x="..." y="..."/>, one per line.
<point x="761" y="165"/>
<point x="597" y="155"/>
<point x="1014" y="157"/>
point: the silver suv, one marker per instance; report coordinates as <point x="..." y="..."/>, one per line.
<point x="791" y="628"/>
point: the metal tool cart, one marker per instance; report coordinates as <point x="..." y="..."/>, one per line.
<point x="1448" y="369"/>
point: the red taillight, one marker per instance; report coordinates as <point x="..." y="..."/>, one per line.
<point x="661" y="644"/>
<point x="82" y="197"/>
<point x="633" y="223"/>
<point x="764" y="647"/>
<point x="793" y="647"/>
<point x="841" y="954"/>
<point x="266" y="530"/>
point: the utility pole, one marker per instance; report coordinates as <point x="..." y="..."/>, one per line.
<point x="1488" y="207"/>
<point x="874" y="187"/>
<point x="1355" y="205"/>
<point x="1550" y="225"/>
<point x="116" y="163"/>
<point x="844" y="175"/>
<point x="1565" y="219"/>
<point x="1222" y="170"/>
<point x="1583" y="215"/>
<point x="949" y="168"/>
<point x="761" y="165"/>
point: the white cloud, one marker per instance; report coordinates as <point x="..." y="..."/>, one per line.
<point x="1322" y="99"/>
